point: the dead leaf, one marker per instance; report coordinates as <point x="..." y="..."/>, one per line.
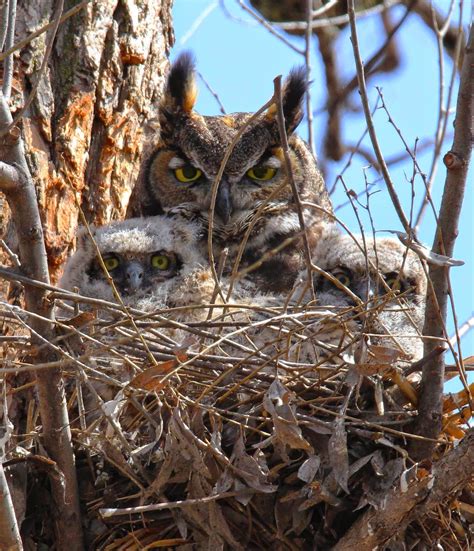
<point x="286" y="429"/>
<point x="309" y="468"/>
<point x="338" y="455"/>
<point x="151" y="378"/>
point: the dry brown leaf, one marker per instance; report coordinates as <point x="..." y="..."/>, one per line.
<point x="286" y="429"/>
<point x="309" y="468"/>
<point x="458" y="399"/>
<point x="338" y="454"/>
<point x="150" y="379"/>
<point x="81" y="319"/>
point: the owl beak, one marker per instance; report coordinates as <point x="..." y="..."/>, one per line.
<point x="134" y="277"/>
<point x="224" y="201"/>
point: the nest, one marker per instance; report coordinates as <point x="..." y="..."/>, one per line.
<point x="249" y="429"/>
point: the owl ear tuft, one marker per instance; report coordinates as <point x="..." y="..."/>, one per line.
<point x="294" y="88"/>
<point x="181" y="89"/>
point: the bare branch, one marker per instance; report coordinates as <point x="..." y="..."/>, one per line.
<point x="370" y="124"/>
<point x="10" y="37"/>
<point x="9" y="533"/>
<point x="457" y="163"/>
<point x="20" y="192"/>
<point x="42" y="69"/>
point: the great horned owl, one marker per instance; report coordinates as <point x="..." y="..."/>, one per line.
<point x="388" y="279"/>
<point x="152" y="261"/>
<point x="254" y="192"/>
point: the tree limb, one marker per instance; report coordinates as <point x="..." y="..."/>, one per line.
<point x="375" y="528"/>
<point x="457" y="160"/>
<point x="16" y="183"/>
<point x="9" y="533"/>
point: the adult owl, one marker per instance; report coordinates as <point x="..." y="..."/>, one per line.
<point x="254" y="193"/>
<point x="379" y="277"/>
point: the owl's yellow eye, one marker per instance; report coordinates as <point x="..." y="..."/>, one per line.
<point x="160" y="261"/>
<point x="261" y="173"/>
<point x="111" y="263"/>
<point x="187" y="173"/>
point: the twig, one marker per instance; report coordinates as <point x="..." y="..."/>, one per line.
<point x="467" y="326"/>
<point x="289" y="172"/>
<point x="307" y="58"/>
<point x="45" y="28"/>
<point x="4" y="23"/>
<point x="9" y="533"/>
<point x="107" y="513"/>
<point x="370" y="124"/>
<point x="213" y="92"/>
<point x="449" y="475"/>
<point x="443" y="112"/>
<point x="339" y="19"/>
<point x="42" y="69"/>
<point x="10" y="37"/>
<point x="269" y="27"/>
<point x="198" y="22"/>
<point x="457" y="162"/>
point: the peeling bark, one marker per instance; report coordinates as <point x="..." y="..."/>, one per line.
<point x="85" y="129"/>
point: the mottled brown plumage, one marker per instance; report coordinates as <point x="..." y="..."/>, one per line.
<point x="254" y="191"/>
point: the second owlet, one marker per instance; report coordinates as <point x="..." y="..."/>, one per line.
<point x="386" y="276"/>
<point x="254" y="193"/>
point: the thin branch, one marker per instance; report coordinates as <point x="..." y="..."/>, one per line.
<point x="294" y="189"/>
<point x="9" y="532"/>
<point x="8" y="64"/>
<point x="4" y="23"/>
<point x="339" y="19"/>
<point x="307" y="57"/>
<point x="42" y="69"/>
<point x="370" y="124"/>
<point x="41" y="30"/>
<point x="269" y="27"/>
<point x="457" y="162"/>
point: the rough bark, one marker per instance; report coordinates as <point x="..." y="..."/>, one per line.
<point x="85" y="129"/>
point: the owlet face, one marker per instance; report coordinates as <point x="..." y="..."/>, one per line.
<point x="187" y="159"/>
<point x="135" y="272"/>
<point x="387" y="277"/>
<point x="144" y="257"/>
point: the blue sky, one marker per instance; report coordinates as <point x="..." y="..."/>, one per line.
<point x="239" y="59"/>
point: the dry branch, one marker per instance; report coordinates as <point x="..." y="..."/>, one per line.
<point x="19" y="189"/>
<point x="457" y="162"/>
<point x="9" y="533"/>
<point x="449" y="475"/>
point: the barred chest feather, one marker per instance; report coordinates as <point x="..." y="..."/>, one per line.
<point x="265" y="228"/>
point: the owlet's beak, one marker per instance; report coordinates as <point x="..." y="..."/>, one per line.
<point x="134" y="276"/>
<point x="224" y="201"/>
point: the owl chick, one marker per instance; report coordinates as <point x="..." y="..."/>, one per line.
<point x="381" y="274"/>
<point x="152" y="261"/>
<point x="254" y="193"/>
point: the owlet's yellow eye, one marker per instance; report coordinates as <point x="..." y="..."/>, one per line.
<point x="111" y="263"/>
<point x="343" y="278"/>
<point x="187" y="173"/>
<point x="394" y="283"/>
<point x="261" y="173"/>
<point x="160" y="261"/>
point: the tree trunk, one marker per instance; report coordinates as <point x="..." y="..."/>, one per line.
<point x="85" y="129"/>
